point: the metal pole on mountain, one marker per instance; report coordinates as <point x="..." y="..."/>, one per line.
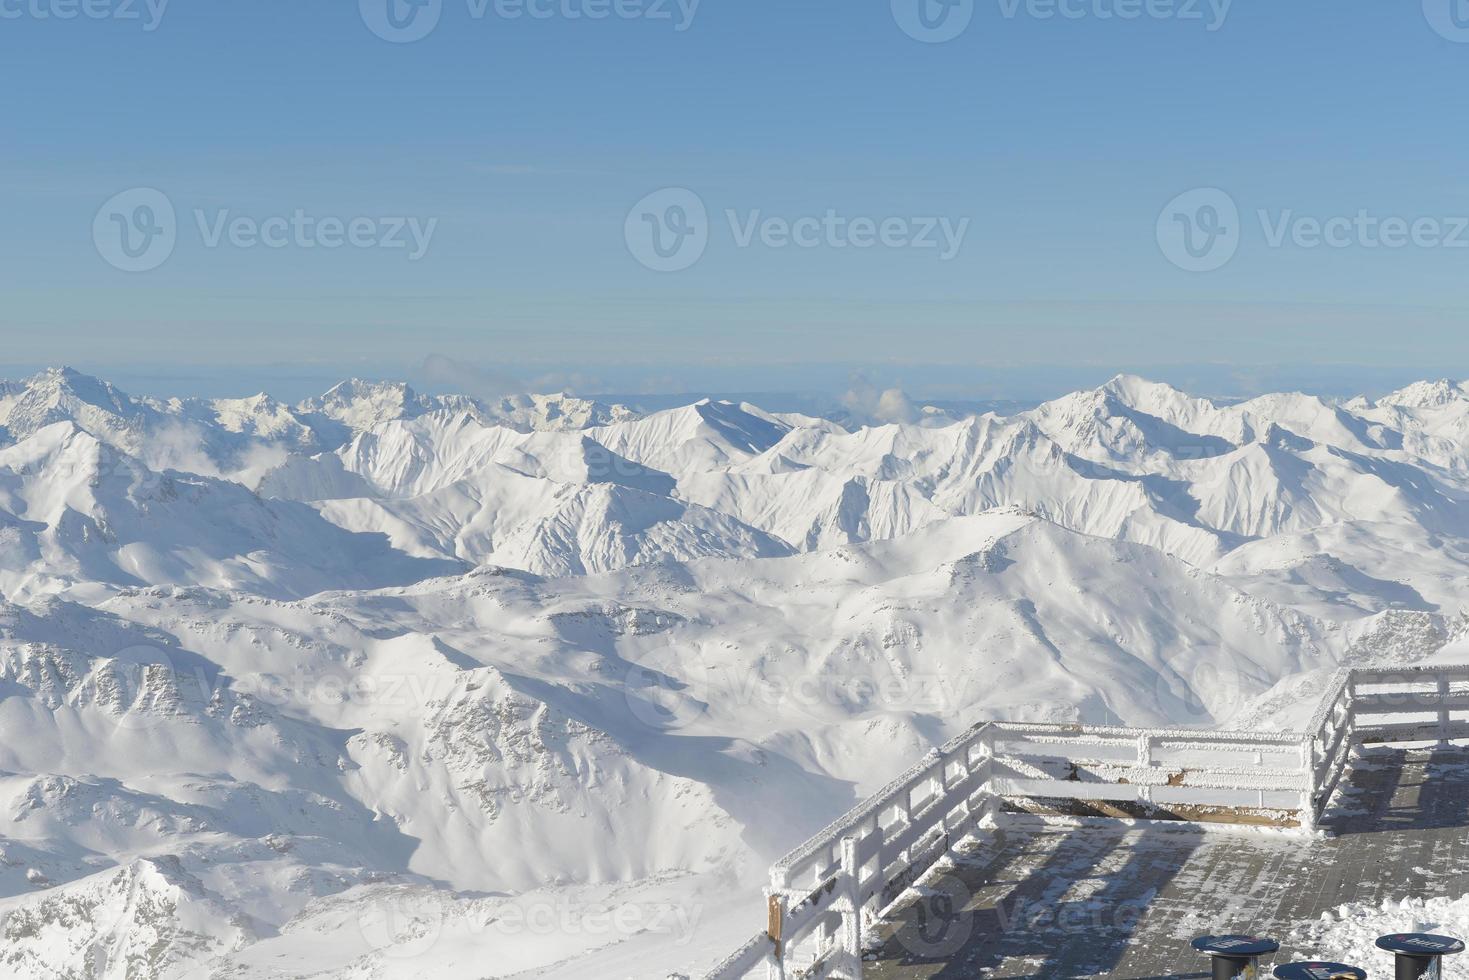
<point x="1235" y="957"/>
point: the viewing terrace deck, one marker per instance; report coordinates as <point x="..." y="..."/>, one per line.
<point x="1044" y="850"/>
<point x="1123" y="901"/>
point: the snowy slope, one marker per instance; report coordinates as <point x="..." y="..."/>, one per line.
<point x="384" y="684"/>
<point x="506" y="730"/>
<point x="74" y="510"/>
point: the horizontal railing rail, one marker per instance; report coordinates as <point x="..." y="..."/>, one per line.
<point x="1128" y="772"/>
<point x="828" y="890"/>
<point x="1410" y="704"/>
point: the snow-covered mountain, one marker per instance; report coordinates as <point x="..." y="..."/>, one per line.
<point x="367" y="685"/>
<point x="359" y="405"/>
<point x="74" y="511"/>
<point x="240" y="437"/>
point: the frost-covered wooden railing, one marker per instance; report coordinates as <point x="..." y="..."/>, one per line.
<point x="1412" y="704"/>
<point x="1205" y="776"/>
<point x="827" y="891"/>
<point x="1330" y="734"/>
<point x="823" y="892"/>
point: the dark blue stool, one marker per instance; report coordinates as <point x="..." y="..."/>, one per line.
<point x="1236" y="957"/>
<point x="1319" y="971"/>
<point x="1419" y="955"/>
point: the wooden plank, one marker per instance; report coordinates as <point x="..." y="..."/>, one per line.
<point x="1142" y="810"/>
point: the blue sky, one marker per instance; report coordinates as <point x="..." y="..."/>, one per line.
<point x="524" y="143"/>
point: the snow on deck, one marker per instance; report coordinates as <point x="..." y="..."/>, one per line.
<point x="1047" y="901"/>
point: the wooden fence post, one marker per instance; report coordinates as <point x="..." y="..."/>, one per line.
<point x="775" y="927"/>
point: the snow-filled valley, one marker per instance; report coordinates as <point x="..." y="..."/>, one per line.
<point x="388" y="685"/>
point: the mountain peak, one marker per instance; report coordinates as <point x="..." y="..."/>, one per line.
<point x="65" y="394"/>
<point x="54" y="383"/>
<point x="361" y="387"/>
<point x="361" y="404"/>
<point x="1121" y="383"/>
<point x="1140" y="392"/>
<point x="1426" y="394"/>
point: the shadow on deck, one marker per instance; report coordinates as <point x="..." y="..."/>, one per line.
<point x="1042" y="901"/>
